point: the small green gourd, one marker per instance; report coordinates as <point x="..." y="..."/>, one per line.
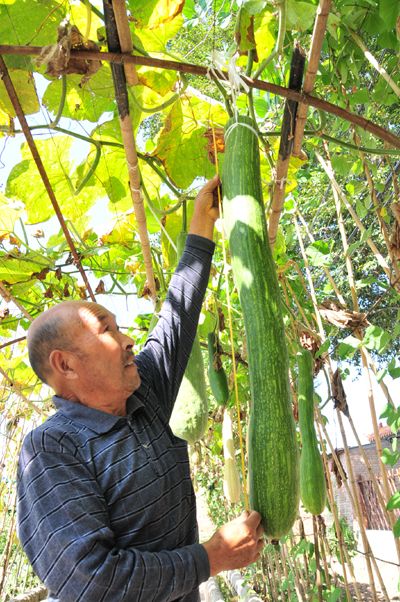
<point x="190" y="414"/>
<point x="216" y="373"/>
<point x="312" y="476"/>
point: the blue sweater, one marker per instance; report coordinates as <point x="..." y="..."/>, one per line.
<point x="106" y="508"/>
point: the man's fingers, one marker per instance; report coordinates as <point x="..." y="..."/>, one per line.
<point x="211" y="184"/>
<point x="254" y="519"/>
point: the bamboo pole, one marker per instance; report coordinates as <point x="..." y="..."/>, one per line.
<point x="293" y="568"/>
<point x="373" y="61"/>
<point x="382" y="224"/>
<point x="322" y="535"/>
<point x="300" y="97"/>
<point x="340" y="297"/>
<point x="125" y="39"/>
<point x="128" y="139"/>
<point x="333" y="507"/>
<point x="346" y="555"/>
<point x="339" y="194"/>
<point x="311" y="73"/>
<point x="352" y="284"/>
<point x="286" y="144"/>
<point x="357" y="508"/>
<point x="326" y="270"/>
<point x="318" y="576"/>
<point x="322" y="334"/>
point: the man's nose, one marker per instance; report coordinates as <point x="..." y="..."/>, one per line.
<point x="127" y="342"/>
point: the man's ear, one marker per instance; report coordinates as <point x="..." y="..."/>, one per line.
<point x="63" y="363"/>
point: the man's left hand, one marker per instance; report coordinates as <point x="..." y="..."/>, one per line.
<point x="206" y="209"/>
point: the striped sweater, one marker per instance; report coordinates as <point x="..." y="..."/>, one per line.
<point x="106" y="508"/>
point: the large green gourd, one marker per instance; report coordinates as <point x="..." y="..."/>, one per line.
<point x="273" y="453"/>
<point x="312" y="476"/>
<point x="190" y="414"/>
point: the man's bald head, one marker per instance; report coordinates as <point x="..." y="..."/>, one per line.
<point x="53" y="329"/>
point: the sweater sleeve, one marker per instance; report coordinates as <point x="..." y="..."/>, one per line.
<point x="166" y="352"/>
<point x="63" y="525"/>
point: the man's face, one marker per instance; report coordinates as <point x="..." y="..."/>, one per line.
<point x="106" y="367"/>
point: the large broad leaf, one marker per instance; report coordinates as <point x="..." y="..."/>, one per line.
<point x="9" y="213"/>
<point x="32" y="22"/>
<point x="22" y="268"/>
<point x="82" y="16"/>
<point x="88" y="101"/>
<point x="300" y="15"/>
<point x="153" y="13"/>
<point x="244" y="31"/>
<point x="161" y="81"/>
<point x="112" y="171"/>
<point x="156" y="40"/>
<point x="173" y="226"/>
<point x="264" y="33"/>
<point x="55" y="153"/>
<point x="184" y="147"/>
<point x="25" y="88"/>
<point x="376" y="338"/>
<point x="319" y="253"/>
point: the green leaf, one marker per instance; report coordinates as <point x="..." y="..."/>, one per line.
<point x="348" y="347"/>
<point x="55" y="153"/>
<point x="156" y="40"/>
<point x="359" y="97"/>
<point x="264" y="24"/>
<point x="342" y="163"/>
<point x="25" y="88"/>
<point x="16" y="269"/>
<point x="361" y="209"/>
<point x="319" y="253"/>
<point x="153" y="13"/>
<point x="88" y="101"/>
<point x="31" y="22"/>
<point x="396" y="528"/>
<point x="183" y="147"/>
<point x="388" y="12"/>
<point x="394" y="501"/>
<point x="9" y="213"/>
<point x="376" y="338"/>
<point x="323" y="349"/>
<point x="300" y="15"/>
<point x="389" y="457"/>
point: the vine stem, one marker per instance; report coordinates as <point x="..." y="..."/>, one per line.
<point x="300" y="97"/>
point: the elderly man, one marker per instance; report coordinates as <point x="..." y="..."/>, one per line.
<point x="106" y="508"/>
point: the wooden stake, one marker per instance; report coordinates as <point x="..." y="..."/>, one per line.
<point x="125" y="39"/>
<point x="286" y="144"/>
<point x="128" y="139"/>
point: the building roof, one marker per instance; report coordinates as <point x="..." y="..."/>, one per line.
<point x="384" y="433"/>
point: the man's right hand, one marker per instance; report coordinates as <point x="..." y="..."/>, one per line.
<point x="236" y="544"/>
